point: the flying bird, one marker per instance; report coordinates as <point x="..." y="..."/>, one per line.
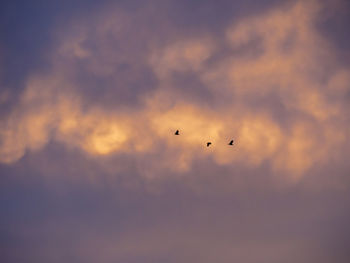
<point x="177" y="132"/>
<point x="208" y="144"/>
<point x="231" y="142"/>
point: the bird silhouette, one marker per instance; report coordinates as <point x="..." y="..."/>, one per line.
<point x="208" y="144"/>
<point x="177" y="132"/>
<point x="231" y="142"/>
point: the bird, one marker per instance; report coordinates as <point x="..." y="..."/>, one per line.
<point x="208" y="144"/>
<point x="177" y="132"/>
<point x="231" y="142"/>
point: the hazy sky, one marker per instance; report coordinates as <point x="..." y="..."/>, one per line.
<point x="91" y="94"/>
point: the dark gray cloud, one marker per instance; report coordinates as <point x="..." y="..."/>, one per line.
<point x="55" y="220"/>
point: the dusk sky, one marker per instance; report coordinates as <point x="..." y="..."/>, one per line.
<point x="92" y="92"/>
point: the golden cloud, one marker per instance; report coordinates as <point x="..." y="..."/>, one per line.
<point x="288" y="59"/>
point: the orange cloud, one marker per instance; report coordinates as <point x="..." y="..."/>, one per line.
<point x="287" y="59"/>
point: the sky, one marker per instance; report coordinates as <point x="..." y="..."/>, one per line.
<point x="91" y="93"/>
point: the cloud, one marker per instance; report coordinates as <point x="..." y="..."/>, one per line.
<point x="91" y="169"/>
<point x="107" y="93"/>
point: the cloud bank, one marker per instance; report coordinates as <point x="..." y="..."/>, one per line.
<point x="91" y="170"/>
<point x="270" y="81"/>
